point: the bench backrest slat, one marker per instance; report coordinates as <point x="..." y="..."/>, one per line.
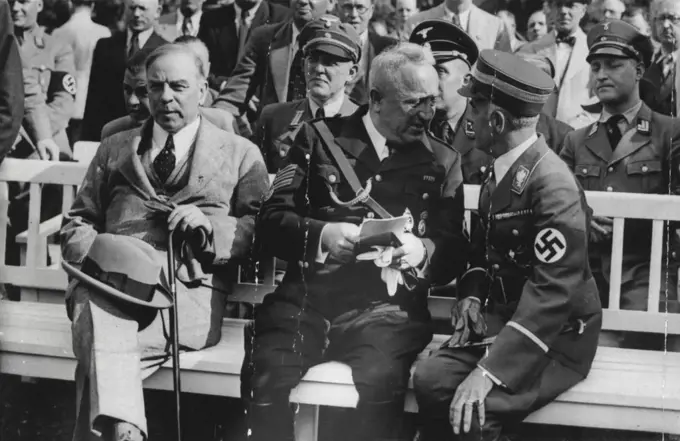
<point x="617" y="259"/>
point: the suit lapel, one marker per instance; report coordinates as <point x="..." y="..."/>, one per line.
<point x="206" y="162"/>
<point x="154" y="41"/>
<point x="279" y="59"/>
<point x="635" y="138"/>
<point x="131" y="165"/>
<point x="261" y="16"/>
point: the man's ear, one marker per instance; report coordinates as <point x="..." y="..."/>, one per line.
<point x="639" y="71"/>
<point x="40" y="5"/>
<point x="353" y="71"/>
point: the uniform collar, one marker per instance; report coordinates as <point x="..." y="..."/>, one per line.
<point x="379" y="142"/>
<point x="503" y="163"/>
<point x="331" y="107"/>
<point x="629" y="114"/>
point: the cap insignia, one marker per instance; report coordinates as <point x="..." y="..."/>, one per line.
<point x="606" y="26"/>
<point x="423" y="32"/>
<point x="327" y="21"/>
<point x="327" y="35"/>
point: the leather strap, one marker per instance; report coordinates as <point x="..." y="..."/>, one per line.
<point x="346" y="168"/>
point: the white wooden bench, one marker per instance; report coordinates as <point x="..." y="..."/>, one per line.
<point x="627" y="389"/>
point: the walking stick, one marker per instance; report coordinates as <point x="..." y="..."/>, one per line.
<point x="174" y="329"/>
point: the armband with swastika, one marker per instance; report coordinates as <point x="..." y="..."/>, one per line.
<point x="62" y="82"/>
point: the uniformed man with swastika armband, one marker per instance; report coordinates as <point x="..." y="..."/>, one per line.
<point x="49" y="83"/>
<point x="332" y="52"/>
<point x="341" y="299"/>
<point x="629" y="149"/>
<point x="528" y="314"/>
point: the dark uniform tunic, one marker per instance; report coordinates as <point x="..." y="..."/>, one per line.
<point x="377" y="335"/>
<point x="638" y="164"/>
<point x="529" y="268"/>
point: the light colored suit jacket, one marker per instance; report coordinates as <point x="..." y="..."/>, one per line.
<point x="573" y="90"/>
<point x="487" y="30"/>
<point x="167" y="26"/>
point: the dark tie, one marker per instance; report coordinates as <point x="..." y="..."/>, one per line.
<point x="447" y="133"/>
<point x="134" y="44"/>
<point x="568" y="39"/>
<point x="320" y="113"/>
<point x="187" y="28"/>
<point x="455" y="20"/>
<point x="164" y="163"/>
<point x="613" y="130"/>
<point x="242" y="32"/>
<point x="296" y="82"/>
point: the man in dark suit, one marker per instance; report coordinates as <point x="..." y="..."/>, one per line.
<point x="225" y="31"/>
<point x="105" y="94"/>
<point x="272" y="63"/>
<point x="358" y="13"/>
<point x="11" y="83"/>
<point x="331" y="56"/>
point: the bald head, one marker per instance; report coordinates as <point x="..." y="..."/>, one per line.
<point x="141" y="15"/>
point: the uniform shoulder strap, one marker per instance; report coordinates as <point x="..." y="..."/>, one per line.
<point x="346" y="168"/>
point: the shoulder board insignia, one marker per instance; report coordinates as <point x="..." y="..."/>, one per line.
<point x="643" y="127"/>
<point x="469" y="129"/>
<point x="296" y="119"/>
<point x="519" y="181"/>
<point x="593" y="129"/>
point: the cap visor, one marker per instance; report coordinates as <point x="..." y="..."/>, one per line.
<point x="607" y="51"/>
<point x="331" y="49"/>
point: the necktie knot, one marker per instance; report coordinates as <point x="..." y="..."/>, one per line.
<point x="567" y="39"/>
<point x="455" y="19"/>
<point x="187" y="26"/>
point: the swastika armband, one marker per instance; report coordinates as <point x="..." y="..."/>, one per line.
<point x="550" y="245"/>
<point x="62" y="82"/>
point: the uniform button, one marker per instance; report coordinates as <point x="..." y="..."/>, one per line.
<point x="644" y="169"/>
<point x="610" y="169"/>
<point x="282" y="153"/>
<point x="674" y="255"/>
<point x="378" y="178"/>
<point x="332" y="179"/>
<point x="482" y="169"/>
<point x="370" y="215"/>
<point x="426" y="196"/>
<point x="610" y="188"/>
<point x="515" y="233"/>
<point x="496" y="267"/>
<point x="307" y="156"/>
<point x="585" y="170"/>
<point x="306" y="265"/>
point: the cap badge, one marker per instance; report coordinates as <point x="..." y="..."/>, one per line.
<point x="606" y="26"/>
<point x="423" y="32"/>
<point x="603" y="39"/>
<point x="520" y="179"/>
<point x="327" y="21"/>
<point x="643" y="127"/>
<point x="327" y="35"/>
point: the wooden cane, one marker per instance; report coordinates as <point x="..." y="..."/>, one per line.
<point x="174" y="329"/>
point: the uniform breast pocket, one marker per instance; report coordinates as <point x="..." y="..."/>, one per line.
<point x="329" y="182"/>
<point x="647" y="173"/>
<point x="44" y="75"/>
<point x="589" y="176"/>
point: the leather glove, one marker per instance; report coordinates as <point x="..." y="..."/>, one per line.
<point x="467" y="321"/>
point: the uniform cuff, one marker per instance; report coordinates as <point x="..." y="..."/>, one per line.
<point x="321" y="256"/>
<point x="491" y="376"/>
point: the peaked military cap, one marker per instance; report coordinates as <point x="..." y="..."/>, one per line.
<point x="327" y="34"/>
<point x="446" y="41"/>
<point x="617" y="38"/>
<point x="540" y="61"/>
<point x="509" y="82"/>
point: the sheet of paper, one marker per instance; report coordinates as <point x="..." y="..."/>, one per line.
<point x="382" y="232"/>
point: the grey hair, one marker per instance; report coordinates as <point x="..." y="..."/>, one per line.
<point x="387" y="66"/>
<point x="178" y="48"/>
<point x="197" y="45"/>
<point x="655" y="5"/>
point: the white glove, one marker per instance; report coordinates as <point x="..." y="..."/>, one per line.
<point x="411" y="253"/>
<point x="382" y="257"/>
<point x="392" y="278"/>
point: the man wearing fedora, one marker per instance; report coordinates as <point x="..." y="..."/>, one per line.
<point x="180" y="173"/>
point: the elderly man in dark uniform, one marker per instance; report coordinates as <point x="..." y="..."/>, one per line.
<point x="332" y="305"/>
<point x="180" y="173"/>
<point x="629" y="149"/>
<point x="528" y="314"/>
<point x="332" y="51"/>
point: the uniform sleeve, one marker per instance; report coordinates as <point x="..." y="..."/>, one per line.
<point x="247" y="75"/>
<point x="261" y="136"/>
<point x="62" y="89"/>
<point x="562" y="129"/>
<point x="11" y="83"/>
<point x="87" y="216"/>
<point x="36" y="111"/>
<point x="286" y="227"/>
<point x="519" y="353"/>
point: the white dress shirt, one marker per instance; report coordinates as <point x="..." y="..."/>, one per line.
<point x="503" y="163"/>
<point x="142" y="38"/>
<point x="183" y="140"/>
<point x="194" y="19"/>
<point x="330" y="108"/>
<point x="463" y="17"/>
<point x="562" y="55"/>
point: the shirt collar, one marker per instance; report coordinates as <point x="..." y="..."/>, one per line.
<point x="503" y="163"/>
<point x="296" y="32"/>
<point x="182" y="139"/>
<point x="142" y="36"/>
<point x="462" y="16"/>
<point x="379" y="142"/>
<point x="629" y="114"/>
<point x="330" y="108"/>
<point x="249" y="15"/>
<point x="195" y="19"/>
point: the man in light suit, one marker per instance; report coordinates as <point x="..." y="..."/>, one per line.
<point x="331" y="61"/>
<point x="567" y="48"/>
<point x="488" y="31"/>
<point x="177" y="173"/>
<point x="272" y="63"/>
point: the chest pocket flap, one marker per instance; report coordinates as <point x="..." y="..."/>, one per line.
<point x="643" y="167"/>
<point x="587" y="170"/>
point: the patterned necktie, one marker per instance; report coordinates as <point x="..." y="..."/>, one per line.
<point x="187" y="27"/>
<point x="320" y="113"/>
<point x="296" y="82"/>
<point x="613" y="130"/>
<point x="134" y="44"/>
<point x="164" y="163"/>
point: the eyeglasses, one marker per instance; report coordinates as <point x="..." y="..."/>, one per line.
<point x="674" y="19"/>
<point x="349" y="7"/>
